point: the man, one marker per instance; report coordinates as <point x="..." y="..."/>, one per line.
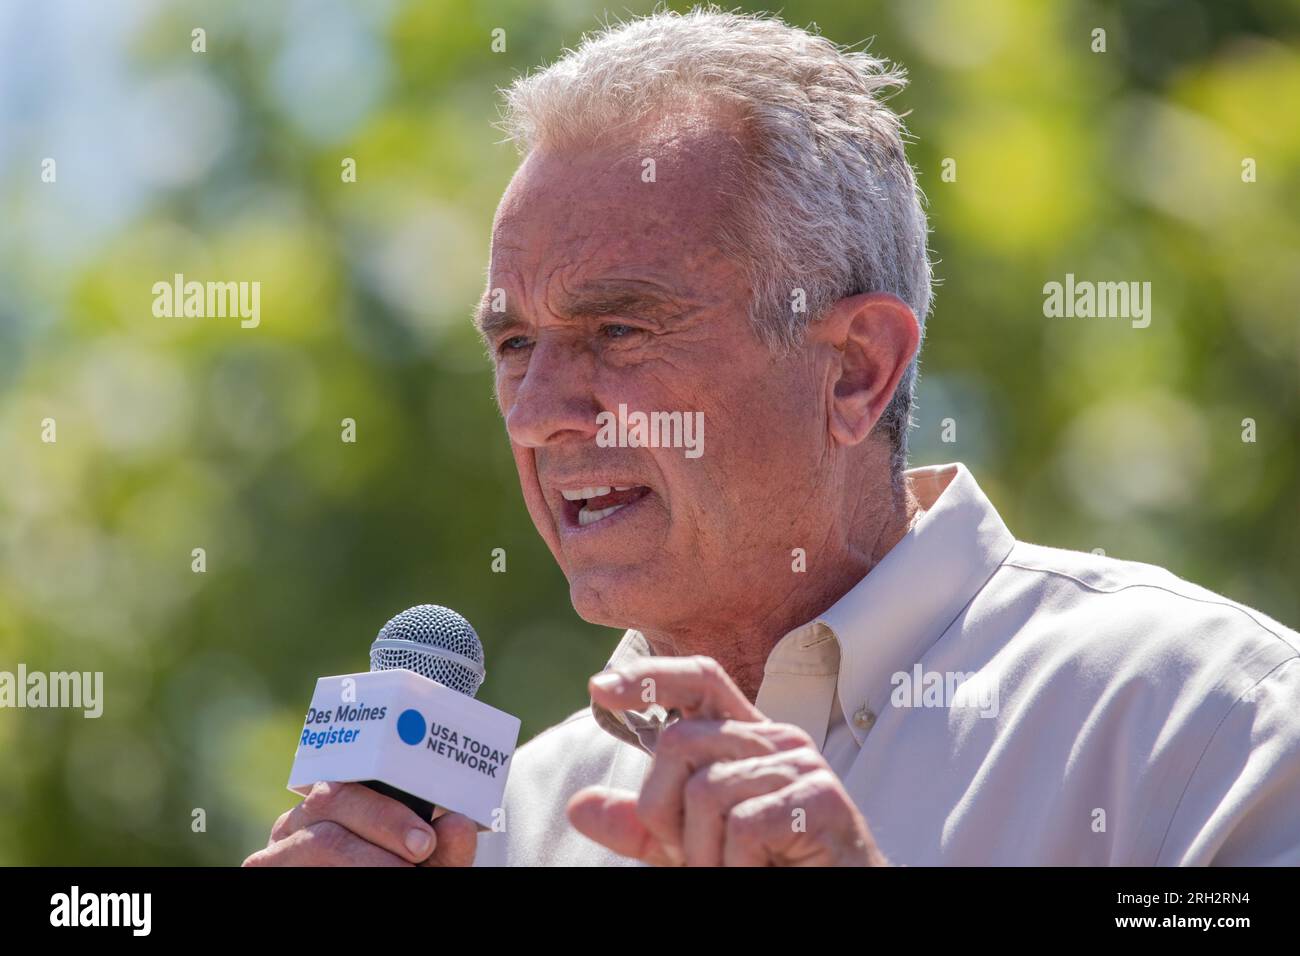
<point x="828" y="659"/>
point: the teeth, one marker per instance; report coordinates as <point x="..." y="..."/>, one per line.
<point x="624" y="487"/>
<point x="585" y="494"/>
<point x="586" y="517"/>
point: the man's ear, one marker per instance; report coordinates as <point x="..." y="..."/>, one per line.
<point x="872" y="338"/>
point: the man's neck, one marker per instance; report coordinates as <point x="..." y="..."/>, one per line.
<point x="742" y="648"/>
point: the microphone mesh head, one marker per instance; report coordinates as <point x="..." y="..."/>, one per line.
<point x="434" y="642"/>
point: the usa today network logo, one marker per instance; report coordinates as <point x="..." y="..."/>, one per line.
<point x="450" y="743"/>
<point x="411" y="727"/>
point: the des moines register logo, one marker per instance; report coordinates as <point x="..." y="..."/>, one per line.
<point x="330" y="734"/>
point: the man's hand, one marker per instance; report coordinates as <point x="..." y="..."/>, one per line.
<point x="348" y="824"/>
<point x="727" y="786"/>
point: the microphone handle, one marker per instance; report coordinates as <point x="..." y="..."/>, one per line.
<point x="423" y="808"/>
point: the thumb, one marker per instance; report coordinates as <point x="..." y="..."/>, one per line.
<point x="609" y="817"/>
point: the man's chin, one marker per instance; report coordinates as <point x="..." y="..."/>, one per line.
<point x="611" y="597"/>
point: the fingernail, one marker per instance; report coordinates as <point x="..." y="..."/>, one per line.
<point x="609" y="680"/>
<point x="418" y="841"/>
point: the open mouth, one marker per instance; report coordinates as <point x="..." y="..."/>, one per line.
<point x="588" y="506"/>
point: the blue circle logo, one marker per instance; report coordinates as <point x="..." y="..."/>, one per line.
<point x="411" y="727"/>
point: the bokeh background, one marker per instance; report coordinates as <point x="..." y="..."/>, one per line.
<point x="182" y="433"/>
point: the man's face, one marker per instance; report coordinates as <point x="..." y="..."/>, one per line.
<point x="615" y="293"/>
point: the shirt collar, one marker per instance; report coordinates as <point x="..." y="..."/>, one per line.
<point x="881" y="626"/>
<point x="887" y="621"/>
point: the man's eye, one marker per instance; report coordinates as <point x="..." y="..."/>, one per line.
<point x="514" y="343"/>
<point x="615" y="330"/>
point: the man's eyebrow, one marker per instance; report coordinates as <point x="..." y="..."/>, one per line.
<point x="492" y="323"/>
<point x="622" y="297"/>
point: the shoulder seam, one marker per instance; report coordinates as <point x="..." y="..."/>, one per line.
<point x="1146" y="584"/>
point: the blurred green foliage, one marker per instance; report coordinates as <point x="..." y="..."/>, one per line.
<point x="175" y="434"/>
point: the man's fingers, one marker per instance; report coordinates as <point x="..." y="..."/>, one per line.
<point x="609" y="817"/>
<point x="457" y="840"/>
<point x="689" y="745"/>
<point x="695" y="686"/>
<point x="712" y="792"/>
<point x="759" y="831"/>
<point x="339" y="823"/>
<point x="372" y="816"/>
<point x="324" y="843"/>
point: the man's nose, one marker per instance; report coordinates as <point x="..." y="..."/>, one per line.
<point x="554" y="402"/>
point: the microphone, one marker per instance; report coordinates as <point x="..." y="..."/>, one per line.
<point x="411" y="728"/>
<point x="439" y="644"/>
<point x="433" y="641"/>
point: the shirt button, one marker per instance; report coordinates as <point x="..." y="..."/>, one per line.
<point x="864" y="719"/>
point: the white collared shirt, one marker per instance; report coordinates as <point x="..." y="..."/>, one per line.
<point x="990" y="702"/>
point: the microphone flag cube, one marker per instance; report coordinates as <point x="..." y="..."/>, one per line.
<point x="412" y="733"/>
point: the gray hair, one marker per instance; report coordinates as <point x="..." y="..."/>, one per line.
<point x="828" y="203"/>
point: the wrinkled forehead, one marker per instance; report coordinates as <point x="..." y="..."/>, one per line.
<point x="656" y="192"/>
